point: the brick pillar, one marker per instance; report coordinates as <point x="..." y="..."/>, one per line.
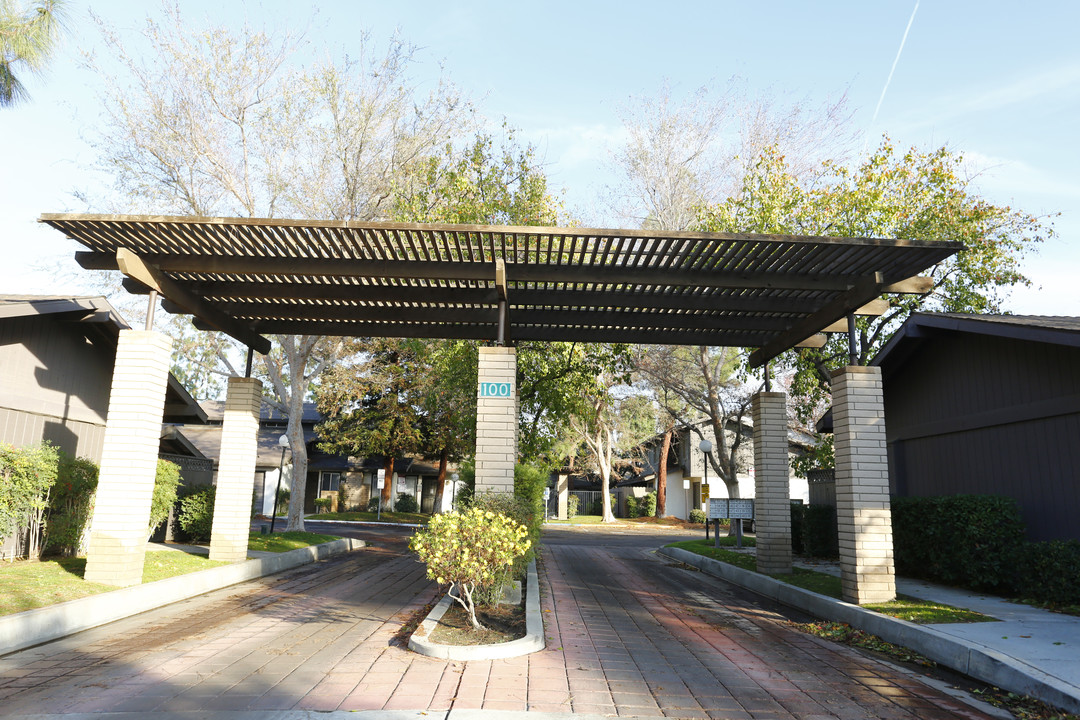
<point x="496" y="419"/>
<point x="236" y="470"/>
<point x="772" y="504"/>
<point x="120" y="527"/>
<point x="862" y="486"/>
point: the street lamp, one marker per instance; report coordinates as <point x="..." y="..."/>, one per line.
<point x="282" y="441"/>
<point x="706" y="448"/>
<point x="453" y="498"/>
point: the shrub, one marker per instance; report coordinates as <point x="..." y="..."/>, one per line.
<point x="572" y="503"/>
<point x="1049" y="572"/>
<point x="529" y="484"/>
<point x="166" y="482"/>
<point x="631" y="506"/>
<point x="697" y="515"/>
<point x="70" y="503"/>
<point x="467" y="485"/>
<point x="406" y="503"/>
<point x="647" y="505"/>
<point x="819" y="533"/>
<point x="965" y="540"/>
<point x="798" y="514"/>
<point x="373" y="504"/>
<point x="26" y="476"/>
<point x="281" y="507"/>
<point x="523" y="514"/>
<point x="196" y="515"/>
<point x="470" y="550"/>
<point x="323" y="504"/>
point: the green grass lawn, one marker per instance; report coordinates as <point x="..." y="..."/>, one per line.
<point x="283" y="542"/>
<point x="904" y="607"/>
<point x="387" y="517"/>
<point x="25" y="585"/>
<point x="579" y="520"/>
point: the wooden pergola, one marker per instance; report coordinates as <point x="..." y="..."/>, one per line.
<point x="251" y="277"/>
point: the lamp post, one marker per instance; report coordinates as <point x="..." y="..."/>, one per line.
<point x="706" y="448"/>
<point x="453" y="498"/>
<point x="283" y="441"/>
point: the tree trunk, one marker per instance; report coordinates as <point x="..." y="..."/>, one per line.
<point x="295" y="432"/>
<point x="440" y="482"/>
<point x="604" y="456"/>
<point x="388" y="485"/>
<point x="661" y="476"/>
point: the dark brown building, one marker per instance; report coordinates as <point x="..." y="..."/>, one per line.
<point x="987" y="404"/>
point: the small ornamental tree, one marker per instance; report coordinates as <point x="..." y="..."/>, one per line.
<point x="469" y="550"/>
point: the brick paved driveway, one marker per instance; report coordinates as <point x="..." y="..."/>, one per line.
<point x="627" y="634"/>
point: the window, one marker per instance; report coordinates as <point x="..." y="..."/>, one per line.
<point x="329" y="481"/>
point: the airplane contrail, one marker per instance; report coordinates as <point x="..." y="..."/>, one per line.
<point x="895" y="61"/>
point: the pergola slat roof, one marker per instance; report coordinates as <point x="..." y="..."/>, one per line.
<point x="248" y="276"/>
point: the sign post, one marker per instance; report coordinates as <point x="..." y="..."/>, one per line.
<point x="736" y="509"/>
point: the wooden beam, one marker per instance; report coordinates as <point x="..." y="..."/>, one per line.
<point x="858" y="295"/>
<point x="447" y="331"/>
<point x="134" y="267"/>
<point x="446" y="270"/>
<point x="917" y="285"/>
<point x="814" y="341"/>
<point x="256" y="312"/>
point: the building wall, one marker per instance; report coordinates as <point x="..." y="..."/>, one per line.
<point x="976" y="414"/>
<point x="54" y="385"/>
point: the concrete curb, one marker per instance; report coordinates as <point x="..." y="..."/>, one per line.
<point x="971" y="659"/>
<point x="532" y="642"/>
<point x="33" y="627"/>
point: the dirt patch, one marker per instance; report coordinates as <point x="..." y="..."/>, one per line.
<point x="504" y="623"/>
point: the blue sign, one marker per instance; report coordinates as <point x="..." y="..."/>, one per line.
<point x="494" y="389"/>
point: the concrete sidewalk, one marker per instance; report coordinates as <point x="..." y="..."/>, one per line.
<point x="1030" y="651"/>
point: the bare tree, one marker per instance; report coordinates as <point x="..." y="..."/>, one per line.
<point x="695" y="383"/>
<point x="681" y="155"/>
<point x="215" y="122"/>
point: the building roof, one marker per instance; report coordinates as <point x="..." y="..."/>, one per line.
<point x="920" y="327"/>
<point x="1051" y="329"/>
<point x="96" y="318"/>
<point x="215" y="412"/>
<point x="248" y="277"/>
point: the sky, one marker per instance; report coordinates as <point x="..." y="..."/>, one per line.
<point x="995" y="81"/>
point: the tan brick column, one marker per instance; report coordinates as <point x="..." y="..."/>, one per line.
<point x="862" y="486"/>
<point x="496" y="419"/>
<point x="772" y="503"/>
<point x="236" y="470"/>
<point x="120" y="527"/>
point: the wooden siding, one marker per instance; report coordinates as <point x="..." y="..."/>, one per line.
<point x="47" y="367"/>
<point x="978" y="414"/>
<point x="81" y="439"/>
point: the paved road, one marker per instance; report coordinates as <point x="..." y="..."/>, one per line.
<point x="627" y="634"/>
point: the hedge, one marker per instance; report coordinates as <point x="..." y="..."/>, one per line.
<point x="965" y="540"/>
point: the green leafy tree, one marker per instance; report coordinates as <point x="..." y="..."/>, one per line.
<point x="28" y="36"/>
<point x="166" y="482"/>
<point x="371" y="404"/>
<point x="554" y="380"/>
<point x="917" y="195"/>
<point x="469" y="550"/>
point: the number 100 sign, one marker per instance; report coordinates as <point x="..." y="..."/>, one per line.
<point x="494" y="389"/>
